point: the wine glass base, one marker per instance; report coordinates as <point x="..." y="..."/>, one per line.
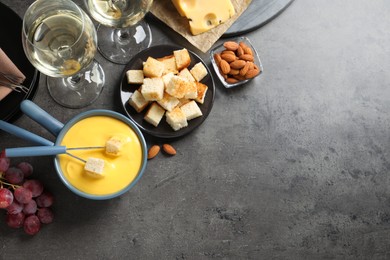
<point x="80" y="90"/>
<point x="120" y="45"/>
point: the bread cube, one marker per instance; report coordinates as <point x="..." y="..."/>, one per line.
<point x="168" y="102"/>
<point x="137" y="101"/>
<point x="185" y="73"/>
<point x="135" y="76"/>
<point x="153" y="68"/>
<point x="177" y="87"/>
<point x="176" y="118"/>
<point x="94" y="167"/>
<point x="114" y="145"/>
<point x="202" y="89"/>
<point x="191" y="110"/>
<point x="191" y="91"/>
<point x="167" y="77"/>
<point x="199" y="71"/>
<point x="169" y="64"/>
<point x="154" y="114"/>
<point x="182" y="58"/>
<point x="183" y="101"/>
<point x="153" y="89"/>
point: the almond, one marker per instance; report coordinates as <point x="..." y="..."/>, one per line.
<point x="231" y="80"/>
<point x="248" y="50"/>
<point x="252" y="73"/>
<point x="234" y="72"/>
<point x="217" y="58"/>
<point x="243" y="45"/>
<point x="169" y="149"/>
<point x="228" y="57"/>
<point x="239" y="77"/>
<point x="153" y="151"/>
<point x="237" y="64"/>
<point x="230" y="45"/>
<point x="246" y="57"/>
<point x="228" y="52"/>
<point x="239" y="51"/>
<point x="245" y="69"/>
<point x="225" y="67"/>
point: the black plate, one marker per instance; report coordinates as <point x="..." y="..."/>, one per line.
<point x="11" y="43"/>
<point x="163" y="130"/>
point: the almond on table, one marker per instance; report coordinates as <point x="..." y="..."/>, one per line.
<point x="169" y="149"/>
<point x="153" y="151"/>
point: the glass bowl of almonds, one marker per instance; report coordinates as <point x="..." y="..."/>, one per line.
<point x="236" y="62"/>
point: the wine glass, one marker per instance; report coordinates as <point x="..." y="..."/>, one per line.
<point x="122" y="30"/>
<point x="60" y="40"/>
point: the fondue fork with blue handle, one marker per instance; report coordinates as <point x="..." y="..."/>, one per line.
<point x="24" y="134"/>
<point x="45" y="150"/>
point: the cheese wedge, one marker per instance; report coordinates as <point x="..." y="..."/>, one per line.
<point x="203" y="15"/>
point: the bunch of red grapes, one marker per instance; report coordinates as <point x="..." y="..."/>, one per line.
<point x="25" y="201"/>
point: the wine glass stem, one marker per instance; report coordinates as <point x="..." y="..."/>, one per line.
<point x="123" y="35"/>
<point x="75" y="79"/>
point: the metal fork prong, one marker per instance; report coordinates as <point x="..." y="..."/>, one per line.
<point x="15" y="87"/>
<point x="12" y="78"/>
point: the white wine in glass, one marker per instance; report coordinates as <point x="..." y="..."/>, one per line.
<point x="122" y="31"/>
<point x="60" y="40"/>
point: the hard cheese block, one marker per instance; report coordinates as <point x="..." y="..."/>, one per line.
<point x="204" y="15"/>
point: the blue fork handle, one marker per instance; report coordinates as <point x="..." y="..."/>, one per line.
<point x="34" y="151"/>
<point x="40" y="116"/>
<point x="24" y="134"/>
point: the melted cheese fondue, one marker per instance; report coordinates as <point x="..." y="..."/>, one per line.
<point x="119" y="171"/>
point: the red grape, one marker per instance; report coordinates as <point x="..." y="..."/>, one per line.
<point x="4" y="164"/>
<point x="23" y="195"/>
<point x="26" y="168"/>
<point x="35" y="186"/>
<point x="45" y="215"/>
<point x="6" y="198"/>
<point x="45" y="200"/>
<point x="26" y="202"/>
<point x="14" y="175"/>
<point x="15" y="207"/>
<point x="30" y="208"/>
<point x="15" y="220"/>
<point x="32" y="225"/>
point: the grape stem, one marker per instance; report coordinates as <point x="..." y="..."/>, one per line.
<point x="13" y="186"/>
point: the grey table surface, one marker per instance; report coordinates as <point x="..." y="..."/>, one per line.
<point x="293" y="165"/>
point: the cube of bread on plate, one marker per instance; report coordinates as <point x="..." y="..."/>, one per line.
<point x="137" y="101"/>
<point x="169" y="64"/>
<point x="167" y="77"/>
<point x="135" y="76"/>
<point x="176" y="118"/>
<point x="199" y="71"/>
<point x="154" y="114"/>
<point x="153" y="89"/>
<point x="185" y="73"/>
<point x="182" y="58"/>
<point x="168" y="102"/>
<point x="191" y="110"/>
<point x="192" y="91"/>
<point x="177" y="87"/>
<point x="183" y="101"/>
<point x="202" y="89"/>
<point x="114" y="145"/>
<point x="153" y="68"/>
<point x="94" y="167"/>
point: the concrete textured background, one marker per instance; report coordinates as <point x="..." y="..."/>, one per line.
<point x="294" y="165"/>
